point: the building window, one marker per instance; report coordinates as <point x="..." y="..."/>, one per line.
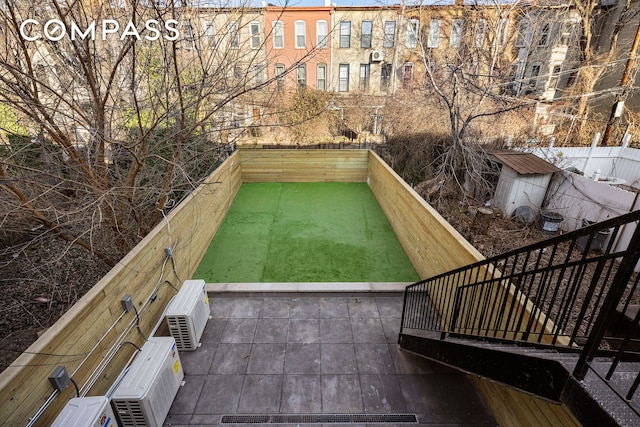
<point x="481" y="30"/>
<point x="434" y="33"/>
<point x="301" y="76"/>
<point x="365" y="72"/>
<point x="569" y="30"/>
<point x="188" y="31"/>
<point x="555" y="76"/>
<point x="321" y="76"/>
<point x="343" y="78"/>
<point x="301" y="34"/>
<point x="234" y="37"/>
<point x="278" y="34"/>
<point x="322" y="30"/>
<point x="533" y="76"/>
<point x="389" y="33"/>
<point x="345" y="35"/>
<point x="254" y="29"/>
<point x="385" y="76"/>
<point x="407" y="75"/>
<point x="503" y="31"/>
<point x="412" y="33"/>
<point x="279" y="71"/>
<point x="258" y="74"/>
<point x="543" y="41"/>
<point x="365" y="34"/>
<point x="523" y="34"/>
<point x="456" y="33"/>
<point x="210" y="33"/>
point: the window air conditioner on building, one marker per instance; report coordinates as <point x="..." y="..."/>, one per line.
<point x="377" y="56"/>
<point x="188" y="313"/>
<point x="146" y="392"/>
<point x="91" y="411"/>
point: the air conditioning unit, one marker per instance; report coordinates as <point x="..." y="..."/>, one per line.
<point x="187" y="314"/>
<point x="377" y="56"/>
<point x="146" y="392"/>
<point x="91" y="411"/>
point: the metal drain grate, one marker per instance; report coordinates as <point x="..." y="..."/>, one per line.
<point x="320" y="419"/>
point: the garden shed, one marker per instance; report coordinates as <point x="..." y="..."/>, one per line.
<point x="524" y="179"/>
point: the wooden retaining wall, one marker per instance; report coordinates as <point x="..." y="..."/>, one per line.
<point x="262" y="165"/>
<point x="433" y="246"/>
<point x="431" y="243"/>
<point x="24" y="386"/>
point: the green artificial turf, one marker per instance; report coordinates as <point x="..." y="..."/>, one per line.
<point x="305" y="232"/>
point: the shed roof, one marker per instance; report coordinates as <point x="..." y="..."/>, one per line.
<point x="524" y="163"/>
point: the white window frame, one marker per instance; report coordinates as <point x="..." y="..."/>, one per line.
<point x="301" y="75"/>
<point x="234" y="35"/>
<point x="365" y="77"/>
<point x="210" y="32"/>
<point x="413" y="29"/>
<point x="366" y="39"/>
<point x="343" y="78"/>
<point x="524" y="34"/>
<point x="455" y="38"/>
<point x="555" y="75"/>
<point x="301" y="34"/>
<point x="434" y="34"/>
<point x="407" y="83"/>
<point x="534" y="77"/>
<point x="545" y="35"/>
<point x="279" y="73"/>
<point x="254" y="31"/>
<point x="322" y="74"/>
<point x="504" y="24"/>
<point x="345" y="34"/>
<point x="277" y="34"/>
<point x="322" y="32"/>
<point x="480" y="33"/>
<point x="389" y="33"/>
<point x="385" y="79"/>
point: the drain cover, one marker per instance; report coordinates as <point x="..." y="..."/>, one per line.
<point x="320" y="419"/>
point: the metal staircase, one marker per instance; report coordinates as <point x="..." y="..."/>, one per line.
<point x="558" y="319"/>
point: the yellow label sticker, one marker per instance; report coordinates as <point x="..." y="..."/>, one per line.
<point x="176" y="367"/>
<point x="206" y="300"/>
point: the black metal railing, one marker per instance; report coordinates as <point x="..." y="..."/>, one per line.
<point x="568" y="291"/>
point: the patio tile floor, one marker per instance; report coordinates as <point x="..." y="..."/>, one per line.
<point x="275" y="354"/>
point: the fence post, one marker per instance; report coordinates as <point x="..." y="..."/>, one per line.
<point x="618" y="286"/>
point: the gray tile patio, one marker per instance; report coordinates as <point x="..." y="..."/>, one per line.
<point x="275" y="354"/>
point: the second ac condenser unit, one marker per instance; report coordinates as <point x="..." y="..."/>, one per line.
<point x="93" y="411"/>
<point x="188" y="313"/>
<point x="146" y="392"/>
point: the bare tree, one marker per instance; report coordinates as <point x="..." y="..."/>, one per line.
<point x="472" y="81"/>
<point x="122" y="108"/>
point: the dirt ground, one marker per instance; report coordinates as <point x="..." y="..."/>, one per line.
<point x="41" y="280"/>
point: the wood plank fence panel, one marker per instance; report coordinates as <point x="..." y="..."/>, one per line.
<point x="24" y="386"/>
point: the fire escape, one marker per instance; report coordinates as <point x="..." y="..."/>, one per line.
<point x="557" y="319"/>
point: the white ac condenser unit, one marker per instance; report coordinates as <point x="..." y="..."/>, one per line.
<point x="377" y="56"/>
<point x="146" y="392"/>
<point x="187" y="314"/>
<point x="92" y="411"/>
